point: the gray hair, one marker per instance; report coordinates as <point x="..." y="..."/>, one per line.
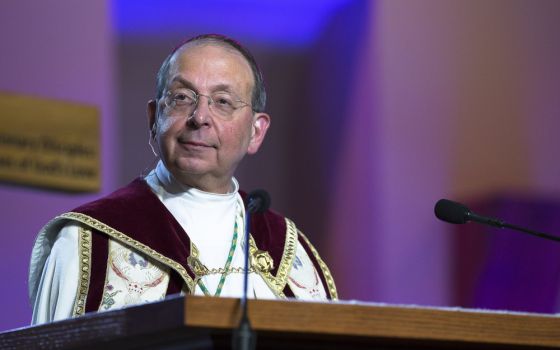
<point x="258" y="98"/>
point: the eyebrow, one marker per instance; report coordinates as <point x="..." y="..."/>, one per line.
<point x="182" y="81"/>
<point x="188" y="84"/>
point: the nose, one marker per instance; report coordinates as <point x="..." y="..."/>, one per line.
<point x="201" y="114"/>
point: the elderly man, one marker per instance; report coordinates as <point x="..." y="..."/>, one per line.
<point x="180" y="229"/>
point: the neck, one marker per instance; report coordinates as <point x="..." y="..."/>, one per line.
<point x="180" y="182"/>
<point x="206" y="184"/>
<point x="210" y="186"/>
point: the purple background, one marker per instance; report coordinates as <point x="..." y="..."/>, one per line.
<point x="379" y="109"/>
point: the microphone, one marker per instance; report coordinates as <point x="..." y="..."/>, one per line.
<point x="244" y="338"/>
<point x="457" y="213"/>
<point x="258" y="201"/>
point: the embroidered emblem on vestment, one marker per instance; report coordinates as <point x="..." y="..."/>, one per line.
<point x="304" y="279"/>
<point x="132" y="278"/>
<point x="326" y="272"/>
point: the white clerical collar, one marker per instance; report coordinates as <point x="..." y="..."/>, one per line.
<point x="172" y="185"/>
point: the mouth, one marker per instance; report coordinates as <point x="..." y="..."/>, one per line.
<point x="195" y="144"/>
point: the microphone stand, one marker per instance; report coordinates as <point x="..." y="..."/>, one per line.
<point x="502" y="224"/>
<point x="457" y="213"/>
<point x="244" y="338"/>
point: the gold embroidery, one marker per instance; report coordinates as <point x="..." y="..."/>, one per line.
<point x="326" y="272"/>
<point x="288" y="255"/>
<point x="195" y="264"/>
<point x="126" y="240"/>
<point x="278" y="282"/>
<point x="261" y="260"/>
<point x="84" y="253"/>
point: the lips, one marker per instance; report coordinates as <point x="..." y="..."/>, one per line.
<point x="195" y="144"/>
<point x="199" y="144"/>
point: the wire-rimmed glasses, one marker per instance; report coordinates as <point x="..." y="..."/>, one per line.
<point x="185" y="101"/>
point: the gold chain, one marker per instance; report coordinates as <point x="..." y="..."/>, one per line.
<point x="221" y="270"/>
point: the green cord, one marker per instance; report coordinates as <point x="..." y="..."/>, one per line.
<point x="226" y="267"/>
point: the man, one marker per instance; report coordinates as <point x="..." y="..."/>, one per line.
<point x="180" y="228"/>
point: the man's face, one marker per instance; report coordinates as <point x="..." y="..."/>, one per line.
<point x="203" y="150"/>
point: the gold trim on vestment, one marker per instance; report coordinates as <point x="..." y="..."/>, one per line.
<point x="326" y="272"/>
<point x="278" y="283"/>
<point x="195" y="264"/>
<point x="128" y="241"/>
<point x="265" y="274"/>
<point x="84" y="270"/>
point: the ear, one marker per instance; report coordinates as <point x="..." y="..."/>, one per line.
<point x="151" y="111"/>
<point x="261" y="122"/>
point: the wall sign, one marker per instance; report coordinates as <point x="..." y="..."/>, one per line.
<point x="47" y="143"/>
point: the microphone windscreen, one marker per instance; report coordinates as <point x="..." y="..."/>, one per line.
<point x="452" y="212"/>
<point x="261" y="200"/>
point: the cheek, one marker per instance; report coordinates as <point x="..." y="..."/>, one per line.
<point x="239" y="137"/>
<point x="166" y="124"/>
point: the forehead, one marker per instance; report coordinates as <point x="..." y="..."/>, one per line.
<point x="208" y="64"/>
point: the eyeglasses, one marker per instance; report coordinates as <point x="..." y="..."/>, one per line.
<point x="185" y="101"/>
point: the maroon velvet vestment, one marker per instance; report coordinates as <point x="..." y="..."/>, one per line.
<point x="137" y="212"/>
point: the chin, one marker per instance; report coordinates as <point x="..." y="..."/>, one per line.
<point x="189" y="167"/>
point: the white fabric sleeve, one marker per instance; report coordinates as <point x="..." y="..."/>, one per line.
<point x="58" y="286"/>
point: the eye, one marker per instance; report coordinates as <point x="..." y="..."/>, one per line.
<point x="179" y="96"/>
<point x="183" y="97"/>
<point x="223" y="100"/>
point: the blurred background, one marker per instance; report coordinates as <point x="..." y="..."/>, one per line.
<point x="379" y="108"/>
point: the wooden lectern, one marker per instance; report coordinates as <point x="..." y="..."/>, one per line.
<point x="206" y="323"/>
